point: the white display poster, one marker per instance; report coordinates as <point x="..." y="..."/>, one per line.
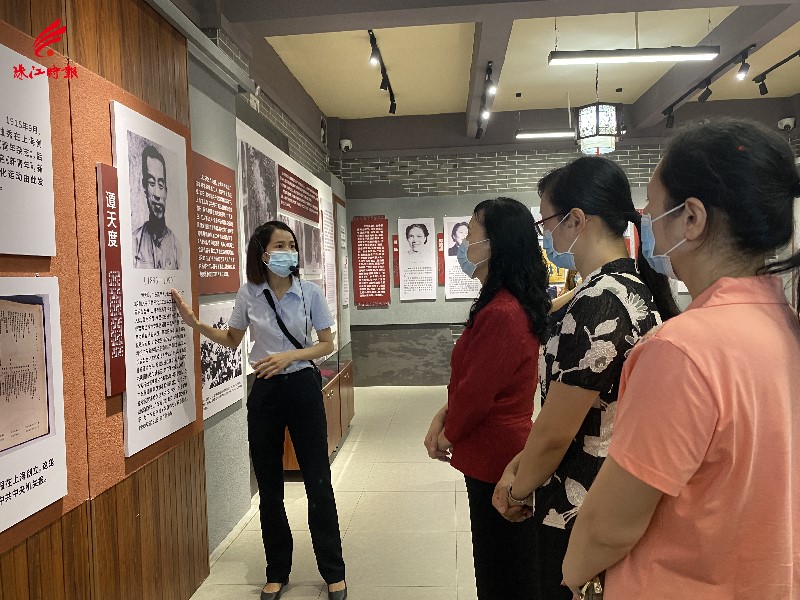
<point x="28" y="225"/>
<point x="33" y="453"/>
<point x="154" y="208"/>
<point x="329" y="252"/>
<point x="418" y="272"/>
<point x="221" y="367"/>
<point x="345" y="281"/>
<point x="456" y="283"/>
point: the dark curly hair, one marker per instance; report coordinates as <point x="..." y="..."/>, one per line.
<point x="516" y="263"/>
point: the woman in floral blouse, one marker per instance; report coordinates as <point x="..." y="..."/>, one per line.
<point x="586" y="207"/>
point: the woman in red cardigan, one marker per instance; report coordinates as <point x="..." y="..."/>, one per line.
<point x="492" y="384"/>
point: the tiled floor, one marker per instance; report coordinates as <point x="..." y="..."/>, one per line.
<point x="404" y="517"/>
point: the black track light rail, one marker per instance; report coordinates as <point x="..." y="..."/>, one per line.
<point x="762" y="76"/>
<point x="739" y="57"/>
<point x="385" y="83"/>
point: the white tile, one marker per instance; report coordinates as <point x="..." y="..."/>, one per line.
<point x="461" y="485"/>
<point x="462" y="512"/>
<point x="209" y="591"/>
<point x="465" y="564"/>
<point x="367" y="433"/>
<point x="397" y="452"/>
<point x="357" y="452"/>
<point x="242" y="563"/>
<point x="406" y="433"/>
<point x="407" y="511"/>
<point x="297" y="511"/>
<point x="400" y="559"/>
<point x="433" y="476"/>
<point x="401" y="593"/>
<point x="350" y="477"/>
<point x="468" y="593"/>
<point x="305" y="592"/>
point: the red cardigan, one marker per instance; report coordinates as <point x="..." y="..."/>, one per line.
<point x="493" y="378"/>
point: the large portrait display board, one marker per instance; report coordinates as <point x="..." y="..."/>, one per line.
<point x="33" y="454"/>
<point x="456" y="282"/>
<point x="221" y="367"/>
<point x="418" y="271"/>
<point x="151" y="163"/>
<point x="370" y="237"/>
<point x="28" y="223"/>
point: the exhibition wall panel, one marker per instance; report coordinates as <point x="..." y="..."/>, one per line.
<point x="64" y="266"/>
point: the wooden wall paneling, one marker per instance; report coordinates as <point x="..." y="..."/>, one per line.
<point x="83" y="34"/>
<point x="64" y="266"/>
<point x="201" y="547"/>
<point x="17" y="13"/>
<point x="77" y="553"/>
<point x="110" y="57"/>
<point x="105" y="541"/>
<point x="130" y="45"/>
<point x="149" y="527"/>
<point x="46" y="563"/>
<point x="129" y="558"/>
<point x="166" y="534"/>
<point x="14" y="573"/>
<point x="45" y="12"/>
<point x="181" y="468"/>
<point x="181" y="52"/>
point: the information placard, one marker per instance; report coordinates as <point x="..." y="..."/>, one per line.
<point x="370" y="237"/>
<point x="217" y="233"/>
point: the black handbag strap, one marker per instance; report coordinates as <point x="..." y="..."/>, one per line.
<point x="281" y="324"/>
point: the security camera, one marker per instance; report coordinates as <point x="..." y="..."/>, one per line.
<point x="787" y="124"/>
<point x="346" y="145"/>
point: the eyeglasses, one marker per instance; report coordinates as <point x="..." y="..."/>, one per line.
<point x="538" y="224"/>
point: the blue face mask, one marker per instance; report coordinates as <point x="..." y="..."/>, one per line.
<point x="661" y="263"/>
<point x="282" y="263"/>
<point x="563" y="260"/>
<point x="465" y="263"/>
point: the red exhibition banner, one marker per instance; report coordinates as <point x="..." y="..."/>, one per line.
<point x="297" y="197"/>
<point x="111" y="276"/>
<point x="440" y="240"/>
<point x="396" y="261"/>
<point x="371" y="261"/>
<point x="217" y="235"/>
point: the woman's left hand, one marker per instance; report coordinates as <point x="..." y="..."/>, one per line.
<point x="273" y="364"/>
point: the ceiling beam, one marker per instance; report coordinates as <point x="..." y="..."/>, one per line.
<point x="746" y="25"/>
<point x="289" y="17"/>
<point x="490" y="44"/>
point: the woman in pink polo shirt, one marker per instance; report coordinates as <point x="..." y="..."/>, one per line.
<point x="700" y="494"/>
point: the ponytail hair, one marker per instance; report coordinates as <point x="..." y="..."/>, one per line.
<point x="599" y="187"/>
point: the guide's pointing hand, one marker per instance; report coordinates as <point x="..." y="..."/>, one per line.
<point x="184" y="309"/>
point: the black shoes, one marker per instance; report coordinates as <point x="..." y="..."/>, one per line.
<point x="274" y="595"/>
<point x="340" y="595"/>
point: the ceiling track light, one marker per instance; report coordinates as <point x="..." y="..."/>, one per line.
<point x="744" y="68"/>
<point x="705" y="83"/>
<point x="376" y="58"/>
<point x="761" y="78"/>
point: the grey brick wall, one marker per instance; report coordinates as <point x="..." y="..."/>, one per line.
<point x="795" y="142"/>
<point x="301" y="147"/>
<point x="493" y="172"/>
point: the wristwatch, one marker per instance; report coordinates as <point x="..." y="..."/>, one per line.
<point x="526" y="501"/>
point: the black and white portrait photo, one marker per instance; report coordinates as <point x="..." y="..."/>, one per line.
<point x="154" y="243"/>
<point x="259" y="188"/>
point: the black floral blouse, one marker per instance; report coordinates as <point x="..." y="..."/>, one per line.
<point x="611" y="310"/>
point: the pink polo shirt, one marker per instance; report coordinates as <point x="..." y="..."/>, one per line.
<point x="709" y="414"/>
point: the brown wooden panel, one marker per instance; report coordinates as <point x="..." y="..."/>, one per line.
<point x="46" y="564"/>
<point x="17" y="13"/>
<point x="149" y="528"/>
<point x="84" y="35"/>
<point x="129" y="556"/>
<point x="110" y="59"/>
<point x="76" y="552"/>
<point x="201" y="543"/>
<point x="105" y="541"/>
<point x="182" y="538"/>
<point x="14" y="573"/>
<point x="45" y="12"/>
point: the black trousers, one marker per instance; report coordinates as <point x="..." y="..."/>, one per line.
<point x="502" y="551"/>
<point x="293" y="401"/>
<point x="551" y="547"/>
